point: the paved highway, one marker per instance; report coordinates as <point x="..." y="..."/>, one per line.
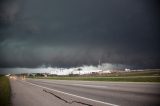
<point x="40" y="92"/>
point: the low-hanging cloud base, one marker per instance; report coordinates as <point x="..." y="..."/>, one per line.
<point x="78" y="32"/>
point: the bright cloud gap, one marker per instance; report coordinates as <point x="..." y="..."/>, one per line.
<point x="85" y="69"/>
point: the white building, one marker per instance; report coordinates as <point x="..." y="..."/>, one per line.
<point x="127" y="70"/>
<point x="104" y="72"/>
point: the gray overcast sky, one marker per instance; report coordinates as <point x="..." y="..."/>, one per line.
<point x="68" y="33"/>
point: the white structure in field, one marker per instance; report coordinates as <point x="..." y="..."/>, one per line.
<point x="85" y="72"/>
<point x="127" y="70"/>
<point x="104" y="72"/>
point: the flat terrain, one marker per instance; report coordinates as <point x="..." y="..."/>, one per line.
<point x="133" y="76"/>
<point x="43" y="92"/>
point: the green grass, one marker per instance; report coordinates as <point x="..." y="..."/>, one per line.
<point x="120" y="79"/>
<point x="141" y="76"/>
<point x="4" y="91"/>
<point x="137" y="73"/>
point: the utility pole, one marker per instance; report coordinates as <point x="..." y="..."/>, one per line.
<point x="99" y="64"/>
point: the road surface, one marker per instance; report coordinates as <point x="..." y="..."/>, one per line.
<point x="42" y="92"/>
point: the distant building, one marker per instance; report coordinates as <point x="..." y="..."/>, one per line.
<point x="127" y="70"/>
<point x="104" y="72"/>
<point x="45" y="75"/>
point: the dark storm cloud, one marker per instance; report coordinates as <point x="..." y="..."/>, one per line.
<point x="76" y="32"/>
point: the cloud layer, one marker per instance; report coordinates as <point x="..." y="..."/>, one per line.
<point x="76" y="32"/>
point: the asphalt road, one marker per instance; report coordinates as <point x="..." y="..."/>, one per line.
<point x="40" y="92"/>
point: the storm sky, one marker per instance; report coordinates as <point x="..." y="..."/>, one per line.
<point x="69" y="33"/>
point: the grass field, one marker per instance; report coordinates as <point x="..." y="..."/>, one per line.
<point x="4" y="91"/>
<point x="124" y="79"/>
<point x="142" y="76"/>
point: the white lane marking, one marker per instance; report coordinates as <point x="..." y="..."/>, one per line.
<point x="94" y="86"/>
<point x="106" y="103"/>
